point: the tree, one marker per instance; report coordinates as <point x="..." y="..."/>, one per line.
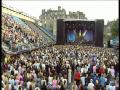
<point x="114" y="29"/>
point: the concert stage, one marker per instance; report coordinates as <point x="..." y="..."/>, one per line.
<point x="77" y="31"/>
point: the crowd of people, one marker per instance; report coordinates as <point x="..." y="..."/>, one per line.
<point x="18" y="37"/>
<point x="68" y="67"/>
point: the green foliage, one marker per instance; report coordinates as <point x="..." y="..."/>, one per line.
<point x="114" y="29"/>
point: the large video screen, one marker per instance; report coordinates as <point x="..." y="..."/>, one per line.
<point x="83" y="33"/>
<point x="71" y="36"/>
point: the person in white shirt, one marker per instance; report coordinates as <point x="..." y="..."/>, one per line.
<point x="50" y="79"/>
<point x="69" y="75"/>
<point x="86" y="68"/>
<point x="15" y="71"/>
<point x="43" y="81"/>
<point x="75" y="62"/>
<point x="91" y="85"/>
<point x="64" y="82"/>
<point x="82" y="70"/>
<point x="28" y="84"/>
<point x="83" y="79"/>
<point x="43" y="66"/>
<point x="112" y="86"/>
<point x="112" y="71"/>
<point x="108" y="70"/>
<point x="107" y="86"/>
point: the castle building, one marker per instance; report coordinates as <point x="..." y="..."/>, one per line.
<point x="48" y="19"/>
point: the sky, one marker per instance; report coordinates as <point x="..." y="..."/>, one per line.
<point x="107" y="10"/>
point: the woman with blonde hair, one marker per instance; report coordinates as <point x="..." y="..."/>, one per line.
<point x="74" y="86"/>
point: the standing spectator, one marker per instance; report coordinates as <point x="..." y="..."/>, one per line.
<point x="62" y="87"/>
<point x="54" y="83"/>
<point x="91" y="85"/>
<point x="28" y="84"/>
<point x="87" y="79"/>
<point x="77" y="77"/>
<point x="102" y="88"/>
<point x="107" y="86"/>
<point x="74" y="86"/>
<point x="83" y="79"/>
<point x="44" y="87"/>
<point x="97" y="86"/>
<point x="95" y="77"/>
<point x="112" y="70"/>
<point x="81" y="86"/>
<point x="102" y="81"/>
<point x="69" y="75"/>
<point x="117" y="83"/>
<point x="36" y="87"/>
<point x="94" y="69"/>
<point x="50" y="79"/>
<point x="101" y="70"/>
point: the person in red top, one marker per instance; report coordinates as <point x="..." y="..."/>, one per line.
<point x="77" y="77"/>
<point x="101" y="70"/>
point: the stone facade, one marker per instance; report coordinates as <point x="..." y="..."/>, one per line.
<point x="48" y="18"/>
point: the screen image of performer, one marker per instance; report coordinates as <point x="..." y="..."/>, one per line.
<point x="71" y="36"/>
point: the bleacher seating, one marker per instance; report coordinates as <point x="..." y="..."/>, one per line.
<point x="35" y="28"/>
<point x="18" y="35"/>
<point x="47" y="35"/>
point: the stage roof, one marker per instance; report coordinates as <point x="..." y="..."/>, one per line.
<point x="77" y="20"/>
